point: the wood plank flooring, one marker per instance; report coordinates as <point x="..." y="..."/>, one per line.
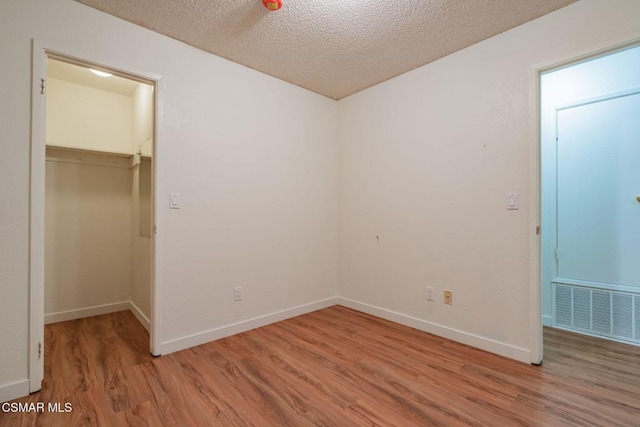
<point x="333" y="367"/>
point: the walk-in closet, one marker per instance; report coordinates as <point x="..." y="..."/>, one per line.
<point x="98" y="194"/>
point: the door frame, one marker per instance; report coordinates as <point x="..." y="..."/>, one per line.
<point x="535" y="175"/>
<point x="40" y="53"/>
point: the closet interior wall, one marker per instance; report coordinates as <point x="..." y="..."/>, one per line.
<point x="97" y="197"/>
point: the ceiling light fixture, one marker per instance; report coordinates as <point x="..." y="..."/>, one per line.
<point x="100" y="73"/>
<point x="272" y="5"/>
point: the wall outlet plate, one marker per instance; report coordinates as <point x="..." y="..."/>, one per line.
<point x="448" y="297"/>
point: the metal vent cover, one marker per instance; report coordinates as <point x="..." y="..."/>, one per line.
<point x="612" y="314"/>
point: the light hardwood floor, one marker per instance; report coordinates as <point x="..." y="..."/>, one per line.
<point x="333" y="367"/>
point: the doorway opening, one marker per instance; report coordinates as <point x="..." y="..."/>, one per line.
<point x="590" y="196"/>
<point x="93" y="192"/>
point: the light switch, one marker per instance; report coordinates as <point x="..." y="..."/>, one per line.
<point x="174" y="200"/>
<point x="512" y="201"/>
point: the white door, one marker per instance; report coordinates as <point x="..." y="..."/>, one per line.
<point x="598" y="181"/>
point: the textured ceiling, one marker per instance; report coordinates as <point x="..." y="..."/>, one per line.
<point x="334" y="48"/>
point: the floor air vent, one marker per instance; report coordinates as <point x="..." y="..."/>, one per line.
<point x="612" y="314"/>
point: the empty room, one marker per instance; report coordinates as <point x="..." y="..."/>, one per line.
<point x="295" y="212"/>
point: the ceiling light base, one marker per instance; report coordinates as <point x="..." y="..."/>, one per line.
<point x="272" y="5"/>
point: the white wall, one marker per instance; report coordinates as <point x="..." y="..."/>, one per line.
<point x="254" y="159"/>
<point x="83" y="117"/>
<point x="427" y="159"/>
<point x="141" y="239"/>
<point x="142" y="118"/>
<point x="142" y="110"/>
<point x="586" y="80"/>
<point x="88" y="251"/>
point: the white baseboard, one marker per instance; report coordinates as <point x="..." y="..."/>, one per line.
<point x="14" y="390"/>
<point x="506" y="350"/>
<point x="547" y="320"/>
<point x="247" y="325"/>
<point x="96" y="310"/>
<point x="172" y="346"/>
<point x="140" y="316"/>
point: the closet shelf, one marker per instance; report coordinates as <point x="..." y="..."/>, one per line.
<point x="91" y="152"/>
<point x="92" y="157"/>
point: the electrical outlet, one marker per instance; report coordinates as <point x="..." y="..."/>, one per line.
<point x="430" y="291"/>
<point x="237" y="293"/>
<point x="448" y="297"/>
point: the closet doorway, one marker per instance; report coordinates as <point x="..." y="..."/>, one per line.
<point x="93" y="190"/>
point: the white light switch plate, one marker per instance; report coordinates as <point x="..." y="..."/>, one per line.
<point x="512" y="201"/>
<point x="174" y="200"/>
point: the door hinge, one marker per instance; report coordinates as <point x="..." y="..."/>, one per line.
<point x="42" y="86"/>
<point x="537" y="229"/>
<point x="39" y="350"/>
<point x="155" y="229"/>
<point x="557" y="254"/>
